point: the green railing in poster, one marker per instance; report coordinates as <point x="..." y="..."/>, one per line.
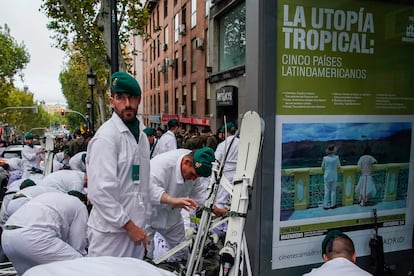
<point x="303" y="188"/>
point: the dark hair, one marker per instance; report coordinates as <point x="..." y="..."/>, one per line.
<point x="193" y="129"/>
<point x="337" y="243"/>
<point x="173" y="123"/>
<point x="206" y="129"/>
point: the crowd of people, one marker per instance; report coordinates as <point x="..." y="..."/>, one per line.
<point x="110" y="194"/>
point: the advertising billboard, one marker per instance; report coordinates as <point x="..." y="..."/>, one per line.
<point x="344" y="97"/>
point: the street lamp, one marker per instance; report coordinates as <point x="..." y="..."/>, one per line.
<point x="88" y="108"/>
<point x="91" y="82"/>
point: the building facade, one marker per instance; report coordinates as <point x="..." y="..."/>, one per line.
<point x="227" y="56"/>
<point x="175" y="66"/>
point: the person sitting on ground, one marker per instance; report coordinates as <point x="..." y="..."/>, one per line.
<point x="339" y="256"/>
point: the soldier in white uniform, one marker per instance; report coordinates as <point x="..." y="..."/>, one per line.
<point x="61" y="160"/>
<point x="77" y="162"/>
<point x="168" y="140"/>
<point x="175" y="184"/>
<point x="50" y="227"/>
<point x="31" y="156"/>
<point x="65" y="180"/>
<point x="338" y="253"/>
<point x="13" y="188"/>
<point x="118" y="175"/>
<point x="25" y="195"/>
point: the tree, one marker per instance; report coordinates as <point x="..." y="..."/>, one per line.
<point x="13" y="59"/>
<point x="73" y="80"/>
<point x="83" y="26"/>
<point x="23" y="120"/>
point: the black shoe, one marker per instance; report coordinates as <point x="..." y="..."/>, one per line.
<point x="326" y="208"/>
<point x="333" y="207"/>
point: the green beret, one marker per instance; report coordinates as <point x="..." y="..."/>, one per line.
<point x="149" y="131"/>
<point x="123" y="83"/>
<point x="202" y="161"/>
<point x="27" y="183"/>
<point x="229" y="126"/>
<point x="28" y="136"/>
<point x="329" y="236"/>
<point x="68" y="151"/>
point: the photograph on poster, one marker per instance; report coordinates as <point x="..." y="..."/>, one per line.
<point x="331" y="172"/>
<point x="344" y="168"/>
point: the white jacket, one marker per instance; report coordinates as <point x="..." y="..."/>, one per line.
<point x="167" y="142"/>
<point x="64" y="180"/>
<point x="61" y="214"/>
<point x="116" y="198"/>
<point x="166" y="177"/>
<point x="338" y="266"/>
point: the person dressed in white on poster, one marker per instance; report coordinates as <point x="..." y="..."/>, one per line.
<point x="366" y="186"/>
<point x="330" y="166"/>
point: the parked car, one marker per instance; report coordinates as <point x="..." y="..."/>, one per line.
<point x="12" y="151"/>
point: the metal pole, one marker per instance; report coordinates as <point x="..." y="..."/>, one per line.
<point x="114" y="39"/>
<point x="92" y="111"/>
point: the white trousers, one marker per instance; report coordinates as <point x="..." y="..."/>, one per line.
<point x="112" y="244"/>
<point x="27" y="247"/>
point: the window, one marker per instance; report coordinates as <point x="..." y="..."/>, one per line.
<point x="165" y="8"/>
<point x="207" y="7"/>
<point x="176" y="105"/>
<point x="166" y="35"/>
<point x="184" y="15"/>
<point x="232" y="38"/>
<point x="193" y="55"/>
<point x="154" y="46"/>
<point x="176" y="28"/>
<point x="184" y="99"/>
<point x="208" y="98"/>
<point x="184" y="63"/>
<point x="193" y="98"/>
<point x="158" y="102"/>
<point x="165" y="102"/>
<point x="193" y="13"/>
<point x="175" y="68"/>
<point x="151" y="106"/>
<point x="165" y="72"/>
<point x="158" y="42"/>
